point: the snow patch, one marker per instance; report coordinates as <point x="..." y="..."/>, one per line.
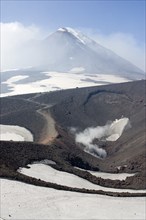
<point x="77" y="70"/>
<point x="112" y="176"/>
<point x="8" y="70"/>
<point x="116" y="128"/>
<point x="49" y="174"/>
<point x="14" y="133"/>
<point x="15" y="79"/>
<point x="75" y="34"/>
<point x="62" y="29"/>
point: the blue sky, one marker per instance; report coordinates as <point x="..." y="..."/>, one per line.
<point x="107" y="16"/>
<point x="118" y="25"/>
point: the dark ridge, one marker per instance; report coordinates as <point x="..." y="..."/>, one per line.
<point x="97" y="92"/>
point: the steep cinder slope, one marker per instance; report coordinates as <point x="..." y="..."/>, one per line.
<point x="96" y="106"/>
<point x="82" y="108"/>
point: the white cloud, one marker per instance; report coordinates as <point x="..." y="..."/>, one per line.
<point x="124" y="44"/>
<point x="14" y="38"/>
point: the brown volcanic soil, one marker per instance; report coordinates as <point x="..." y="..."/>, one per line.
<point x="49" y="132"/>
<point x="79" y="108"/>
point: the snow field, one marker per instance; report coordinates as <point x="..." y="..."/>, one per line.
<point x="23" y="201"/>
<point x="58" y="81"/>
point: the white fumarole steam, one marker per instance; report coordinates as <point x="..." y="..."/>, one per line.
<point x="109" y="132"/>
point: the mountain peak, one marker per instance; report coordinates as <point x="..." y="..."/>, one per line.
<point x="66" y="29"/>
<point x="63" y="29"/>
<point x="73" y="32"/>
<point x="77" y="34"/>
<point x="68" y="48"/>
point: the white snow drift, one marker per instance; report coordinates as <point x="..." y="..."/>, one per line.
<point x="14" y="133"/>
<point x="49" y="174"/>
<point x="112" y="176"/>
<point x="11" y="81"/>
<point x="109" y="132"/>
<point x="116" y="128"/>
<point x="23" y="201"/>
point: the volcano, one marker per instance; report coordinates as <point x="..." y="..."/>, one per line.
<point x="67" y="49"/>
<point x="66" y="59"/>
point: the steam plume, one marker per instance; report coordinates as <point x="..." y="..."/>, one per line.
<point x="109" y="132"/>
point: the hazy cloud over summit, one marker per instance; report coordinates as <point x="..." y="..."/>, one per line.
<point x="15" y="36"/>
<point x="124" y="44"/>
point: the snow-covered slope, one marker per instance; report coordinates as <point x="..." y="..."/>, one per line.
<point x="23" y="201"/>
<point x="67" y="59"/>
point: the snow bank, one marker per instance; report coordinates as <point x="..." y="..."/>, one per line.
<point x="112" y="176"/>
<point x="14" y="79"/>
<point x="45" y="161"/>
<point x="49" y="174"/>
<point x="117" y="127"/>
<point x="14" y="133"/>
<point x="24" y="201"/>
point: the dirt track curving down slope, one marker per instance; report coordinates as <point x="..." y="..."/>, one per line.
<point x="49" y="132"/>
